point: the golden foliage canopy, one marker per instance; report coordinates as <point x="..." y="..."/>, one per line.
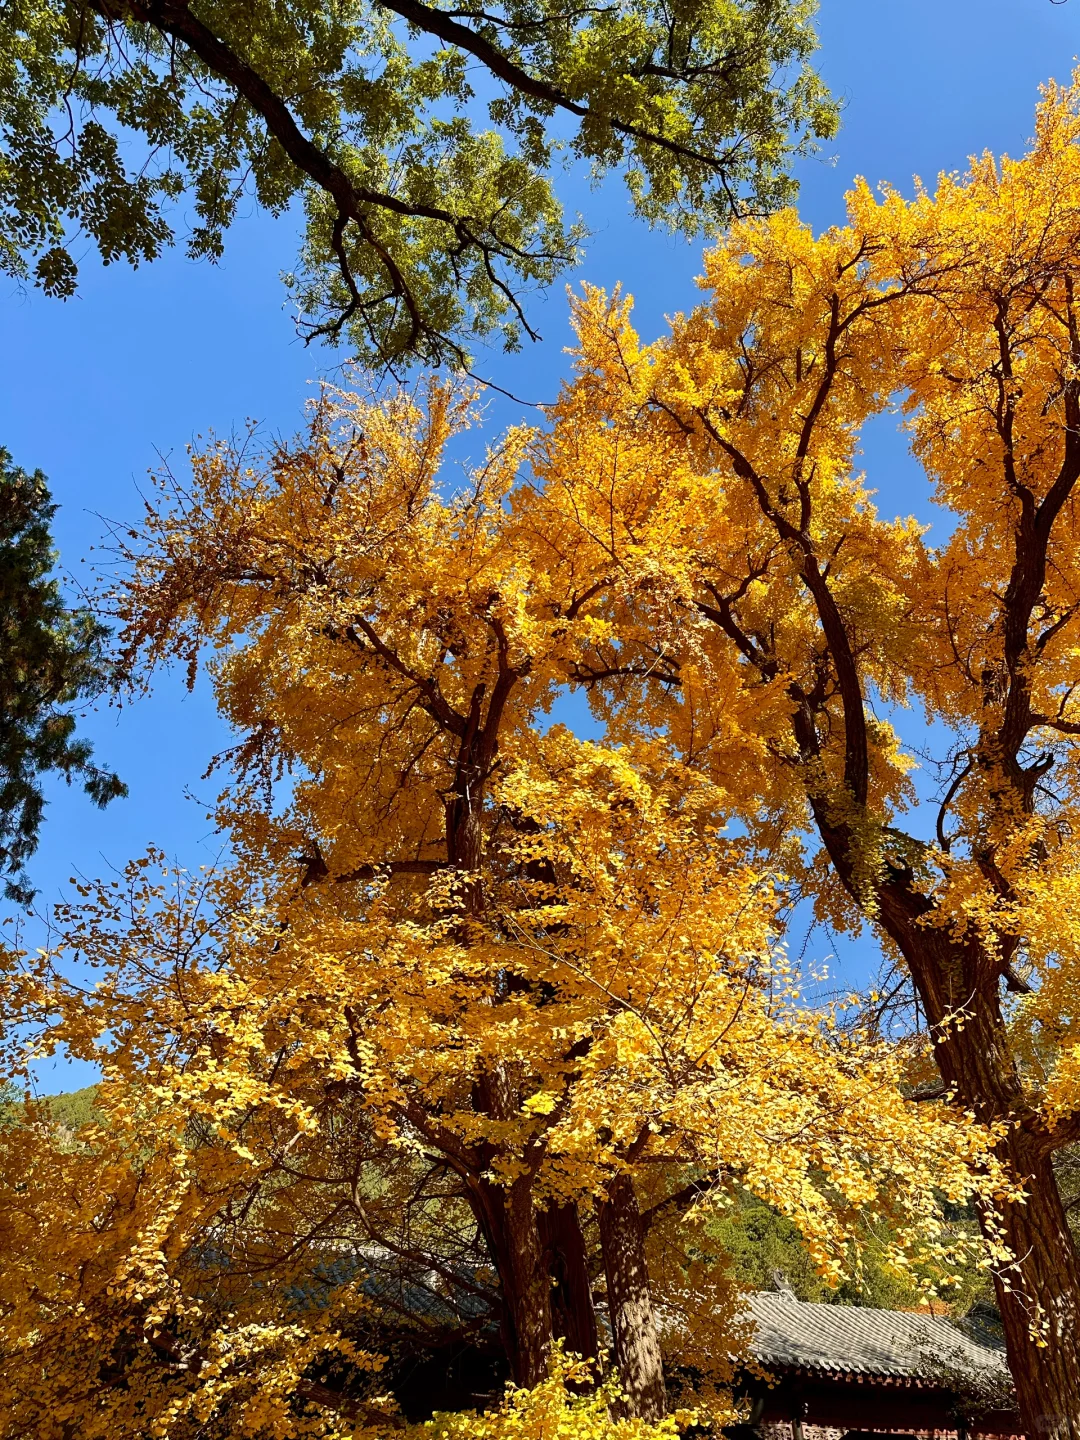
<point x="467" y="964"/>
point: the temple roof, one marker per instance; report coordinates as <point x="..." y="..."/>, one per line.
<point x="857" y="1340"/>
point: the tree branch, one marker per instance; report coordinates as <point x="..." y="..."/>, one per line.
<point x="440" y="23"/>
<point x="316" y="870"/>
<point x="353" y="202"/>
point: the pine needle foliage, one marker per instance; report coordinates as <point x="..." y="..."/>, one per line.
<point x="52" y="657"/>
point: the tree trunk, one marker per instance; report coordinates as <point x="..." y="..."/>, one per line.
<point x="976" y="1060"/>
<point x="508" y="1220"/>
<point x="1047" y="1376"/>
<point x="633" y="1325"/>
<point x="529" y="1300"/>
<point x="573" y="1316"/>
<point x="506" y="1213"/>
<point x="508" y="1217"/>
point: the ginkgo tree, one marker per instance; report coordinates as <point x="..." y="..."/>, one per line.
<point x="785" y="636"/>
<point x="465" y="969"/>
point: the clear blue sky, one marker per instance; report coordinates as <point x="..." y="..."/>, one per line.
<point x="94" y="390"/>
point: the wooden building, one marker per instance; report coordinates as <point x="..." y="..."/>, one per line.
<point x="842" y="1372"/>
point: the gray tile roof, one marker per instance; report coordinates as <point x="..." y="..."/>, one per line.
<point x="860" y="1341"/>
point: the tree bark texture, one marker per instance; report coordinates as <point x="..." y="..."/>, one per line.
<point x="529" y="1300"/>
<point x="508" y="1219"/>
<point x="573" y="1315"/>
<point x="1047" y="1377"/>
<point x="633" y="1323"/>
<point x="975" y="1059"/>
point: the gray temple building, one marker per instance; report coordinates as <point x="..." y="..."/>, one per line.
<point x="835" y="1371"/>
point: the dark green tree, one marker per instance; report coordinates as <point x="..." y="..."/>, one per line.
<point x="760" y="1243"/>
<point x="421" y="138"/>
<point x="52" y="657"/>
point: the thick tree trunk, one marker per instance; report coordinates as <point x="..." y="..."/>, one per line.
<point x="1047" y="1376"/>
<point x="529" y="1297"/>
<point x="633" y="1324"/>
<point x="1045" y="1366"/>
<point x="976" y="1061"/>
<point x="508" y="1219"/>
<point x="573" y="1315"/>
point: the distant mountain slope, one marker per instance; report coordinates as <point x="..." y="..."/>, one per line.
<point x="72" y="1110"/>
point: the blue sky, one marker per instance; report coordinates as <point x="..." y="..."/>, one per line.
<point x="96" y="389"/>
